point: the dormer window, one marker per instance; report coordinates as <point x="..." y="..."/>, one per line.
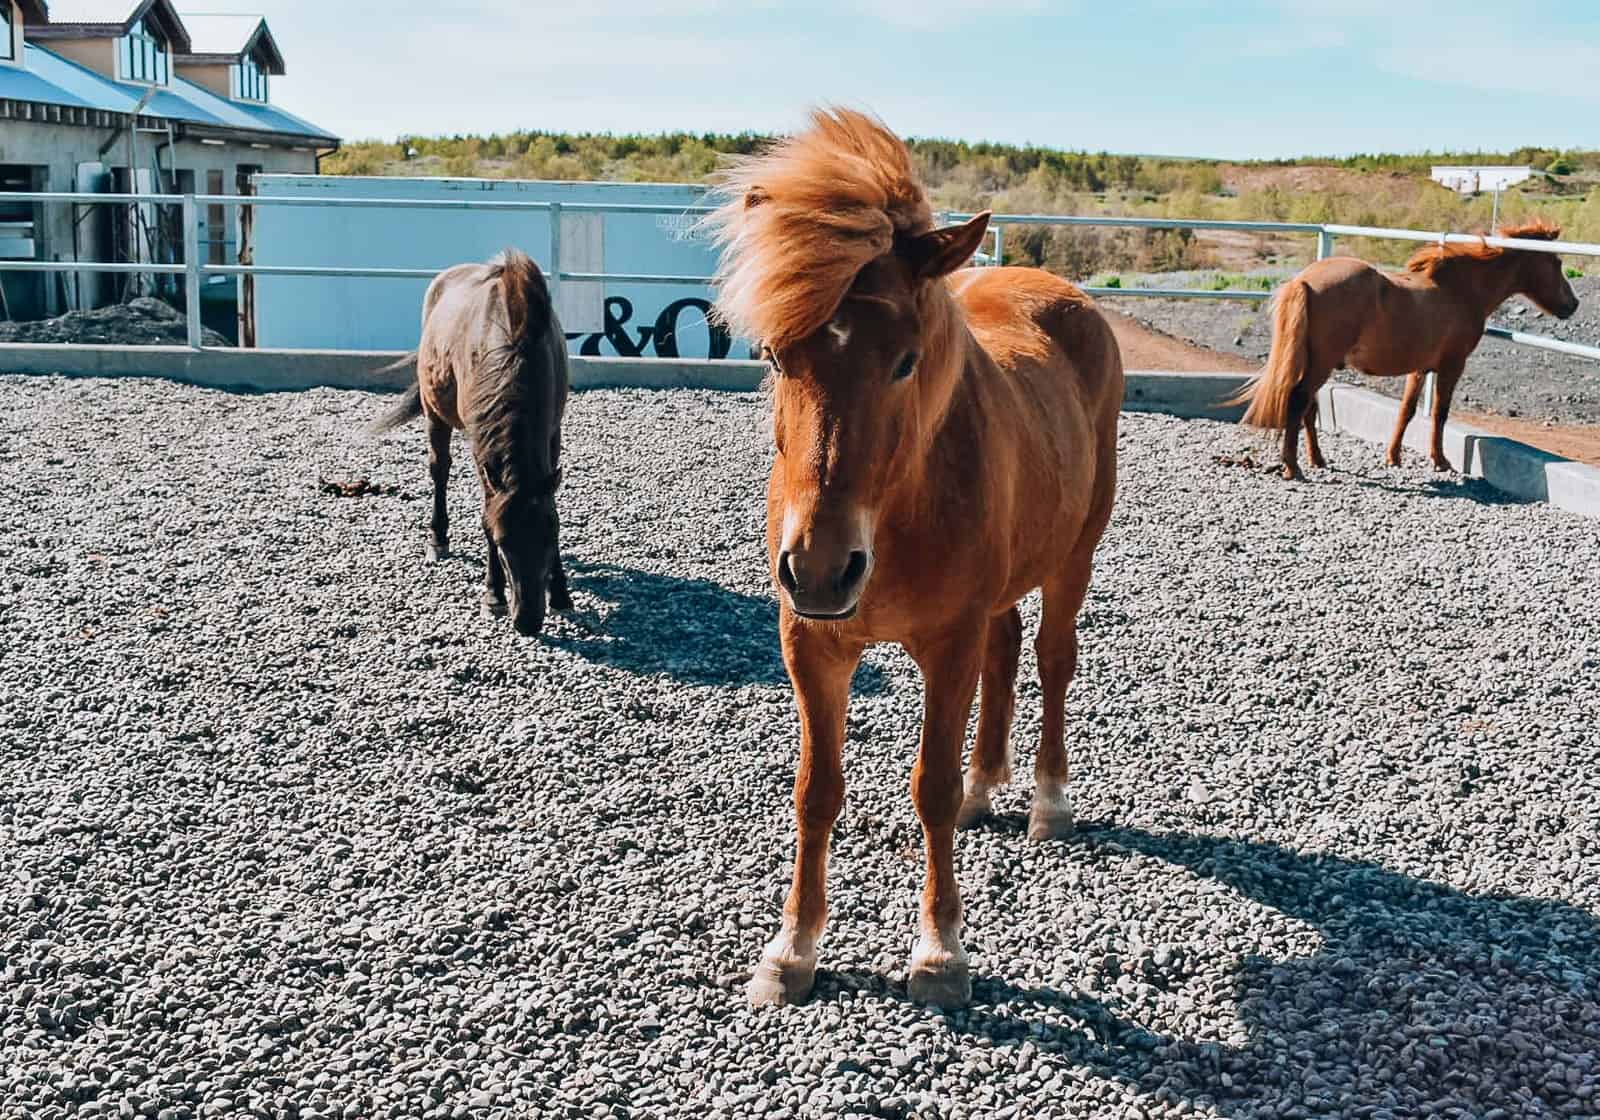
<point x="9" y="28"/>
<point x="142" y="55"/>
<point x="248" y="79"/>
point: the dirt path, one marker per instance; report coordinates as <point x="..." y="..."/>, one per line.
<point x="1144" y="347"/>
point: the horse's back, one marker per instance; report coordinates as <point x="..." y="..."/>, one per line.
<point x="1374" y="321"/>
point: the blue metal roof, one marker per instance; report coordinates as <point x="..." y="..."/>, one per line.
<point x="47" y="77"/>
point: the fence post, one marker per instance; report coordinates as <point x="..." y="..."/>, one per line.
<point x="191" y="270"/>
<point x="999" y="245"/>
<point x="1324" y="245"/>
<point x="553" y="281"/>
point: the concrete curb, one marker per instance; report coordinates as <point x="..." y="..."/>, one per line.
<point x="1512" y="467"/>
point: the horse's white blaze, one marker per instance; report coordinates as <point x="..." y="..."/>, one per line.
<point x="840" y="332"/>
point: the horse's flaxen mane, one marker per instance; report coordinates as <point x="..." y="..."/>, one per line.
<point x="801" y="219"/>
<point x="1431" y="259"/>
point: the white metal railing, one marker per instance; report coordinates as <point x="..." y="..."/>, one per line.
<point x="194" y="271"/>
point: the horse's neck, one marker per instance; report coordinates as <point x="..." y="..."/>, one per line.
<point x="1486" y="285"/>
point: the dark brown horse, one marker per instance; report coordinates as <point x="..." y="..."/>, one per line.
<point x="493" y="363"/>
<point x="946" y="443"/>
<point x="1344" y="312"/>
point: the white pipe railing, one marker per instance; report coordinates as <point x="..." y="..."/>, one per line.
<point x="194" y="271"/>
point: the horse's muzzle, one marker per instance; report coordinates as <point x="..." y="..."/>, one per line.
<point x="824" y="589"/>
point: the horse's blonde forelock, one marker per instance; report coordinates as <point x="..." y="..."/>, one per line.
<point x="798" y="221"/>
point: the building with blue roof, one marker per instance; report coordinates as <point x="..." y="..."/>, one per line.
<point x="114" y="96"/>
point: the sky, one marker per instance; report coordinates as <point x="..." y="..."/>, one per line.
<point x="1221" y="78"/>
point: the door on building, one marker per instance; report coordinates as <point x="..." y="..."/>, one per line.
<point x="245" y="180"/>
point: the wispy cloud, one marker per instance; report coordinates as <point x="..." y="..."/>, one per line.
<point x="1557" y="70"/>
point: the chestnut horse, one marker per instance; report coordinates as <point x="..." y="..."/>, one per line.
<point x="493" y="363"/>
<point x="1430" y="318"/>
<point x="946" y="442"/>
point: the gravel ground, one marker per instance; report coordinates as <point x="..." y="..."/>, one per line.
<point x="293" y="831"/>
<point x="1502" y="377"/>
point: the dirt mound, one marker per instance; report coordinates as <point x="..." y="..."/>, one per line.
<point x="141" y="322"/>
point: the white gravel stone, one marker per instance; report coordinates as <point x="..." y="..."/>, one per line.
<point x="291" y="830"/>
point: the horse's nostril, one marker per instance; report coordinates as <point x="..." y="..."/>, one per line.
<point x="853" y="571"/>
<point x="786" y="573"/>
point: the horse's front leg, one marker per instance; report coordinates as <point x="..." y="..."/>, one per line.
<point x="820" y="665"/>
<point x="438" y="547"/>
<point x="494" y="576"/>
<point x="1444" y="389"/>
<point x="939" y="972"/>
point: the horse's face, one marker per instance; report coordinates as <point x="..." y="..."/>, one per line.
<point x="523" y="529"/>
<point x="846" y="405"/>
<point x="1544" y="281"/>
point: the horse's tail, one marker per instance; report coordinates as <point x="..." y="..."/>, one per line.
<point x="529" y="313"/>
<point x="1268" y="391"/>
<point x="408" y="407"/>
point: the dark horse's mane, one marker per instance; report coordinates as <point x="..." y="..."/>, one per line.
<point x="508" y="412"/>
<point x="1429" y="260"/>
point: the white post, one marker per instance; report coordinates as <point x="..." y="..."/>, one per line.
<point x="553" y="281"/>
<point x="191" y="270"/>
<point x="1324" y="245"/>
<point x="999" y="246"/>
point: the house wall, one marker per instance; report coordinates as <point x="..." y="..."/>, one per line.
<point x="99" y="55"/>
<point x="60" y="149"/>
<point x="213" y="76"/>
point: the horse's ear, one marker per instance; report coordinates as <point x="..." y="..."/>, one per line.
<point x="942" y="251"/>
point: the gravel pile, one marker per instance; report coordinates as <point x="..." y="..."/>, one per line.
<point x="291" y="830"/>
<point x="139" y="322"/>
<point x="1502" y="377"/>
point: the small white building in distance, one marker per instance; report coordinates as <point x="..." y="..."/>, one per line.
<point x="1476" y="180"/>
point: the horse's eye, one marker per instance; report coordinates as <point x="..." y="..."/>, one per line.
<point x="907" y="366"/>
<point x="771" y="359"/>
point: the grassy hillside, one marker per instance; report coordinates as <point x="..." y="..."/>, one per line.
<point x="1378" y="190"/>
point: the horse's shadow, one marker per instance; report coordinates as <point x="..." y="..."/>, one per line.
<point x="1422" y="1001"/>
<point x="695" y="631"/>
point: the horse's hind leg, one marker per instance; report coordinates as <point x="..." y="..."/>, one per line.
<point x="991" y="755"/>
<point x="1302" y="405"/>
<point x="1313" y="448"/>
<point x="439" y="467"/>
<point x="1057" y="646"/>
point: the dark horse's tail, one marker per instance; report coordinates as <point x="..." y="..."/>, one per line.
<point x="529" y="313"/>
<point x="408" y="407"/>
<point x="1268" y="391"/>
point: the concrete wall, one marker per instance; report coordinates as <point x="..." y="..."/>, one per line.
<point x="603" y="320"/>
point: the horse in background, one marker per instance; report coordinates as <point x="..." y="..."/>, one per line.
<point x="1344" y="312"/>
<point x="946" y="442"/>
<point x="493" y="363"/>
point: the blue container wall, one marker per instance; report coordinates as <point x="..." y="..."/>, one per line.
<point x="363" y="313"/>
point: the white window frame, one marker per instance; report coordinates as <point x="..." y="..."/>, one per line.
<point x="257" y="89"/>
<point x="11" y="49"/>
<point x="153" y="54"/>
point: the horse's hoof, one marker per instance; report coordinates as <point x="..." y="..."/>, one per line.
<point x="1292" y="474"/>
<point x="778" y="985"/>
<point x="436" y="551"/>
<point x="1443" y="466"/>
<point x="949" y="985"/>
<point x="493" y="605"/>
<point x="974" y="808"/>
<point x="1043" y="827"/>
<point x="560" y="601"/>
<point x="1392" y="460"/>
<point x="1051" y="816"/>
<point x="1320" y="463"/>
